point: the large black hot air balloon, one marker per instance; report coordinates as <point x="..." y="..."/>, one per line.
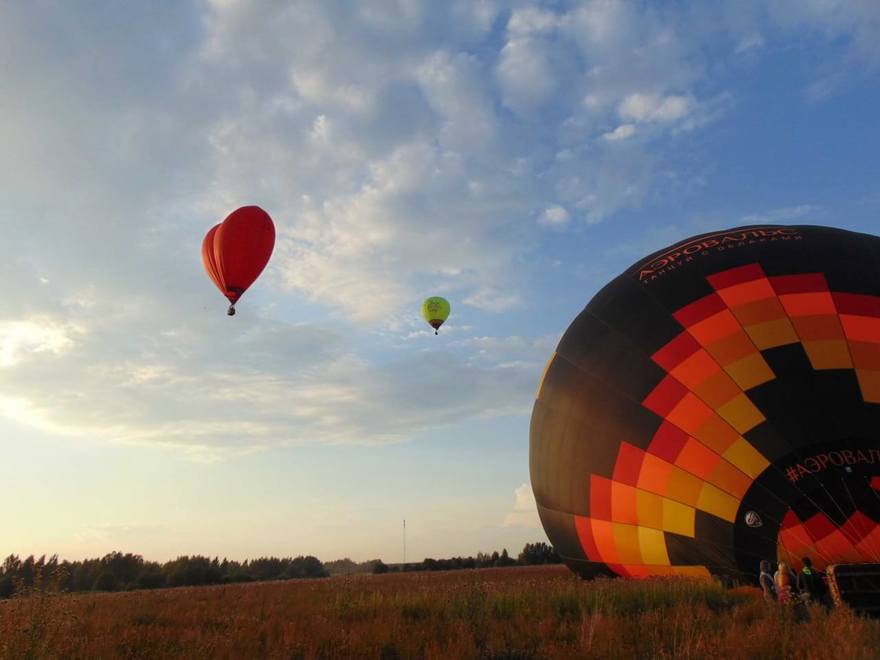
<point x="715" y="405"/>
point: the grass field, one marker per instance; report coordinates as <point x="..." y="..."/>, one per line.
<point x="534" y="612"/>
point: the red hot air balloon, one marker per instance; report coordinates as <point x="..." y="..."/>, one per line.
<point x="237" y="250"/>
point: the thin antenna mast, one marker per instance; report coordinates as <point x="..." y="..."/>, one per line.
<point x="404" y="543"/>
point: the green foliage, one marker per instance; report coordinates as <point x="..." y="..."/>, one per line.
<point x="105" y="581"/>
<point x="533" y="553"/>
<point x="124" y="571"/>
<point x="538" y="553"/>
<point x="7" y="586"/>
<point x="348" y="567"/>
<point x="118" y="571"/>
<point x="151" y="578"/>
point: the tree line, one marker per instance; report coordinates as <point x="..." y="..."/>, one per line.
<point x="532" y="554"/>
<point x="117" y="572"/>
<point x="120" y="572"/>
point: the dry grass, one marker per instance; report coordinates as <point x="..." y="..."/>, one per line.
<point x="514" y="613"/>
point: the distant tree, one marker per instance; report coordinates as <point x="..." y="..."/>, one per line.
<point x="505" y="559"/>
<point x="105" y="581"/>
<point x="538" y="553"/>
<point x="151" y="578"/>
<point x="269" y="568"/>
<point x="380" y="567"/>
<point x="83" y="574"/>
<point x="125" y="568"/>
<point x="7" y="586"/>
<point x="306" y="567"/>
<point x="192" y="571"/>
<point x="118" y="570"/>
<point x="343" y="567"/>
<point x="367" y="566"/>
<point x="27" y="571"/>
<point x="11" y="565"/>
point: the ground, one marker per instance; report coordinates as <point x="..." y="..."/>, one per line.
<point x="521" y="612"/>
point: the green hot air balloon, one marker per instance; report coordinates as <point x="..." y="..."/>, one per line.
<point x="435" y="310"/>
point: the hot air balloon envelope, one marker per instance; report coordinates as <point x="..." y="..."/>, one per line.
<point x="237" y="250"/>
<point x="715" y="405"/>
<point x="435" y="311"/>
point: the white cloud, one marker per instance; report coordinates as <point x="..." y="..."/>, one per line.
<point x="415" y="213"/>
<point x="554" y="216"/>
<point x="409" y="152"/>
<point x="750" y="42"/>
<point x="525" y="510"/>
<point x="622" y="132"/>
<point x="455" y="88"/>
<point x="397" y="151"/>
<point x="212" y="393"/>
<point x="531" y="20"/>
<point x="25" y="338"/>
<point x="526" y="73"/>
<point x="709" y="110"/>
<point x="538" y="68"/>
<point x="858" y="22"/>
<point x="316" y="90"/>
<point x="492" y="300"/>
<point x="525" y="352"/>
<point x="654" y="108"/>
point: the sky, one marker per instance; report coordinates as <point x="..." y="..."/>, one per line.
<point x="512" y="157"/>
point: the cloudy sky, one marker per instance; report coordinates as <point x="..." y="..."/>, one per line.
<point x="510" y="156"/>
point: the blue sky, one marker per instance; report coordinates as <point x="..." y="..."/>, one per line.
<point x="511" y="156"/>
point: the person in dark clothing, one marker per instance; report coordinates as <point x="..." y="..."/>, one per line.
<point x="765" y="579"/>
<point x="812" y="582"/>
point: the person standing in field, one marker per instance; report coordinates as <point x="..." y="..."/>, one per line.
<point x="811" y="583"/>
<point x="786" y="583"/>
<point x="768" y="586"/>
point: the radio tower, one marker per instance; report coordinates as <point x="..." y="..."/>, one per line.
<point x="404" y="544"/>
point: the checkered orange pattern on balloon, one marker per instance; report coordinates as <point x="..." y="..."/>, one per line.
<point x="824" y="542"/>
<point x="699" y="458"/>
